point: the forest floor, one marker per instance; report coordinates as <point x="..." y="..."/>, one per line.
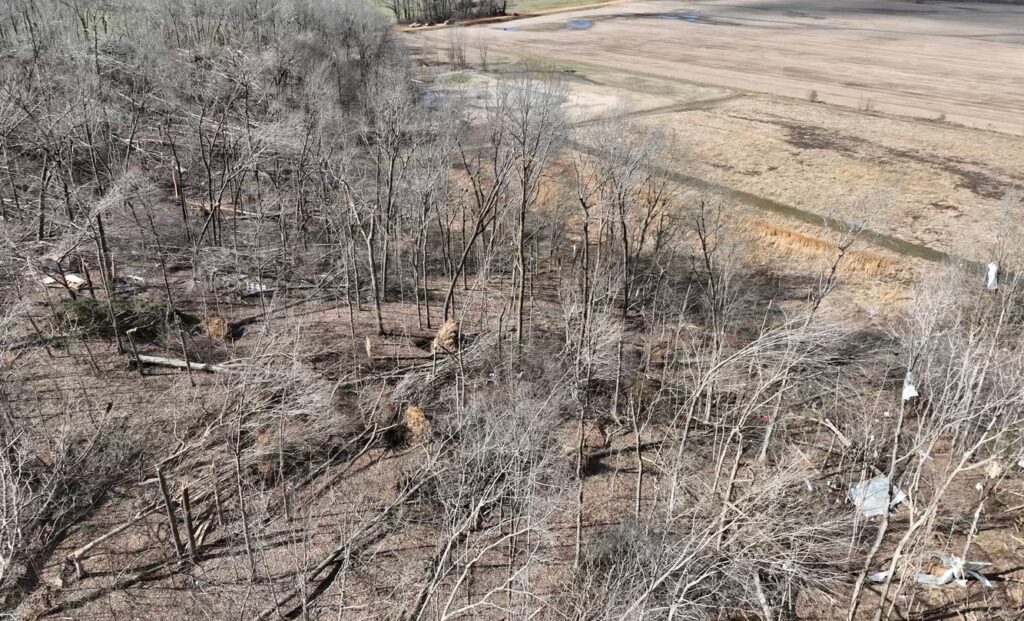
<point x="871" y="152"/>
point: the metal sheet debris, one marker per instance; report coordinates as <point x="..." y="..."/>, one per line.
<point x="957" y="571"/>
<point x="870" y="496"/>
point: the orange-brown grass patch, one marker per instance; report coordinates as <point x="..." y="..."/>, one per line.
<point x="795" y="243"/>
<point x="217" y="328"/>
<point x="417" y="424"/>
<point x="447" y="339"/>
<point x="267" y="462"/>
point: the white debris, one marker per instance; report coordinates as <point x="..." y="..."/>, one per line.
<point x="909" y="390"/>
<point x="870" y="496"/>
<point x="254" y="287"/>
<point x="992" y="277"/>
<point x="957" y="570"/>
<point x="993" y="470"/>
<point x="72" y="281"/>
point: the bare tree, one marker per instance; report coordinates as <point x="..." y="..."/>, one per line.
<point x="535" y="122"/>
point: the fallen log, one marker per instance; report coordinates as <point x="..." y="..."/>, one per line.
<point x="367" y="533"/>
<point x="175" y="363"/>
<point x="76" y="555"/>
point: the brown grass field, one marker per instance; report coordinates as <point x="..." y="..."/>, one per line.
<point x="811" y="108"/>
<point x="963" y="62"/>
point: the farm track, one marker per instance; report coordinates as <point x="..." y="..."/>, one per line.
<point x="882" y="240"/>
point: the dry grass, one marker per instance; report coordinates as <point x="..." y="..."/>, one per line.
<point x="805" y="247"/>
<point x="417" y="424"/>
<point x="447" y="338"/>
<point x="217" y="328"/>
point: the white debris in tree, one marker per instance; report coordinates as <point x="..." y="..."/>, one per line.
<point x="870" y="496"/>
<point x="992" y="277"/>
<point x="909" y="390"/>
<point x="957" y="570"/>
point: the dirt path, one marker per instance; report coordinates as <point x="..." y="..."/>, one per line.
<point x="876" y="238"/>
<point x="684" y="106"/>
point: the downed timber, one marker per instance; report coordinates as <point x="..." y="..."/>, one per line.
<point x="75" y="556"/>
<point x="176" y="363"/>
<point x="338" y="559"/>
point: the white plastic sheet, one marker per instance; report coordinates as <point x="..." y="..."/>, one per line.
<point x="909" y="390"/>
<point x="870" y="496"/>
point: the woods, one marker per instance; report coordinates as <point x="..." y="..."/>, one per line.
<point x="288" y="331"/>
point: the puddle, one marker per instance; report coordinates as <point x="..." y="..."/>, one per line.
<point x="683" y="17"/>
<point x="579" y="24"/>
<point x="587" y="24"/>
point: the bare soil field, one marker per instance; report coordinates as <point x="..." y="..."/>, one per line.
<point x="900" y="91"/>
<point x="963" y="63"/>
